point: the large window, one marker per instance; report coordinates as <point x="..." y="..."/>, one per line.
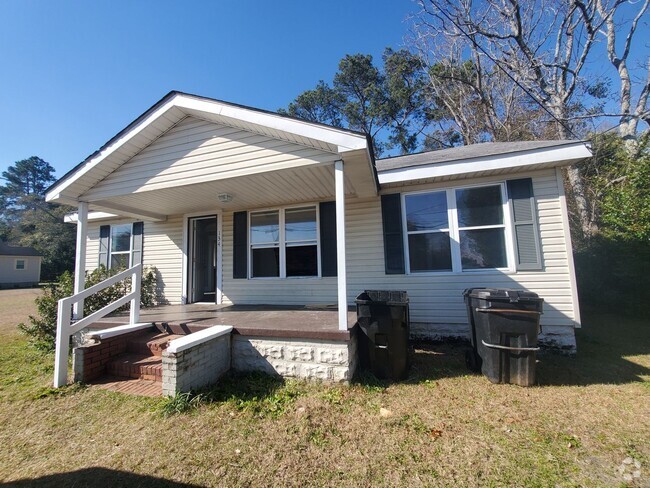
<point x="456" y="229"/>
<point x="284" y="243"/>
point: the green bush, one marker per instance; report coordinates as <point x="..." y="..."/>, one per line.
<point x="42" y="329"/>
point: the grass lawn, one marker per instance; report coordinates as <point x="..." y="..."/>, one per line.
<point x="442" y="427"/>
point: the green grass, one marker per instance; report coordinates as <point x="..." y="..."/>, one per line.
<point x="443" y="426"/>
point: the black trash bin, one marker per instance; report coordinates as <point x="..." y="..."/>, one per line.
<point x="504" y="331"/>
<point x="383" y="317"/>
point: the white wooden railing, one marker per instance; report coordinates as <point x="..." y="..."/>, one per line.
<point x="65" y="326"/>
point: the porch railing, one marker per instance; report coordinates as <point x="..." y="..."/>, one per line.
<point x="66" y="326"/>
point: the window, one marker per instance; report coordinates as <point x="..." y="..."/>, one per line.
<point x="456" y="229"/>
<point x="120" y="246"/>
<point x="284" y="243"/>
<point x="427" y="226"/>
<point x="20" y="264"/>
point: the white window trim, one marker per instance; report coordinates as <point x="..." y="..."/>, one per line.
<point x="110" y="246"/>
<point x="454" y="232"/>
<point x="16" y="268"/>
<point x="282" y="243"/>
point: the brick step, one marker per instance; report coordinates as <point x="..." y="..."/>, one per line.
<point x="150" y="344"/>
<point x="140" y="366"/>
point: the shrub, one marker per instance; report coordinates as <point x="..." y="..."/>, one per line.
<point x="42" y="329"/>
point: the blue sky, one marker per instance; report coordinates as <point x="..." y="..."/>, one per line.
<point x="74" y="73"/>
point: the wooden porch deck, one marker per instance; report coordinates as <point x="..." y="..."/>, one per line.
<point x="297" y="322"/>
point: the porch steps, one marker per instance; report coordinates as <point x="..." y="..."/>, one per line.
<point x="143" y="357"/>
<point x="139" y="366"/>
<point x="151" y="344"/>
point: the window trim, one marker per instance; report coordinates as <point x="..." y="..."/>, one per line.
<point x="454" y="231"/>
<point x="24" y="261"/>
<point x="129" y="252"/>
<point x="282" y="244"/>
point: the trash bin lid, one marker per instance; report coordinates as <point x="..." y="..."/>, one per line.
<point x="502" y="294"/>
<point x="388" y="297"/>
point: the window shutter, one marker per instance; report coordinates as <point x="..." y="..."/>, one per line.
<point x="136" y="252"/>
<point x="104" y="236"/>
<point x="328" y="238"/>
<point x="524" y="219"/>
<point x="391" y="213"/>
<point x="240" y="245"/>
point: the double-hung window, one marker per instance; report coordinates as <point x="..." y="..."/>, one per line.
<point x="284" y="243"/>
<point x="20" y="264"/>
<point x="120" y="246"/>
<point x="461" y="229"/>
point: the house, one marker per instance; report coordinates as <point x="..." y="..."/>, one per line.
<point x="19" y="266"/>
<point x="238" y="207"/>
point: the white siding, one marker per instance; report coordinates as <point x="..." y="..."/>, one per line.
<point x="162" y="248"/>
<point x="196" y="151"/>
<point x="434" y="299"/>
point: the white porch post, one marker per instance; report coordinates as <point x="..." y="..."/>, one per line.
<point x="80" y="258"/>
<point x="339" y="184"/>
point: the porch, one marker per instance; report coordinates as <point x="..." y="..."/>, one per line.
<point x="320" y="322"/>
<point x="178" y="348"/>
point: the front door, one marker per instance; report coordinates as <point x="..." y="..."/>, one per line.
<point x="203" y="259"/>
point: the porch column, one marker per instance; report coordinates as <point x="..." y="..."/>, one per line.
<point x="80" y="258"/>
<point x="339" y="184"/>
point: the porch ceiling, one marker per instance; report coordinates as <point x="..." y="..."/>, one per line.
<point x="285" y="187"/>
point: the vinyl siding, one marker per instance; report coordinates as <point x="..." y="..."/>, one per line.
<point x="433" y="298"/>
<point x="196" y="151"/>
<point x="162" y="248"/>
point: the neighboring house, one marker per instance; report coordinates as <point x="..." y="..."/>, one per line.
<point x="19" y="266"/>
<point x="235" y="205"/>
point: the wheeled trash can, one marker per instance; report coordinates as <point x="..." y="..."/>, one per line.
<point x="383" y="316"/>
<point x="504" y="331"/>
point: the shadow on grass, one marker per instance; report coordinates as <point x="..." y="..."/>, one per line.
<point x="429" y="361"/>
<point x="606" y="344"/>
<point x="98" y="477"/>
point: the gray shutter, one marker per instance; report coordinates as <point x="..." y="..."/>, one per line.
<point x="240" y="245"/>
<point x="138" y="235"/>
<point x="104" y="236"/>
<point x="524" y="219"/>
<point x="328" y="238"/>
<point x="391" y="213"/>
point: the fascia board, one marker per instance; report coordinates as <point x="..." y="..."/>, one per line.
<point x="561" y="156"/>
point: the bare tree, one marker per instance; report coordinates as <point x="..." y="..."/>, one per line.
<point x="541" y="45"/>
<point x="630" y="113"/>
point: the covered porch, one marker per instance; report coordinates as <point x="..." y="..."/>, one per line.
<point x="190" y="158"/>
<point x="320" y="322"/>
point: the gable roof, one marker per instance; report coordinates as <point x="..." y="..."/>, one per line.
<point x="176" y="105"/>
<point x="7" y="250"/>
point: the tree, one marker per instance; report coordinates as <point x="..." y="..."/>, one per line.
<point x="386" y="104"/>
<point x="542" y="46"/>
<point x="26" y="219"/>
<point x="630" y="113"/>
